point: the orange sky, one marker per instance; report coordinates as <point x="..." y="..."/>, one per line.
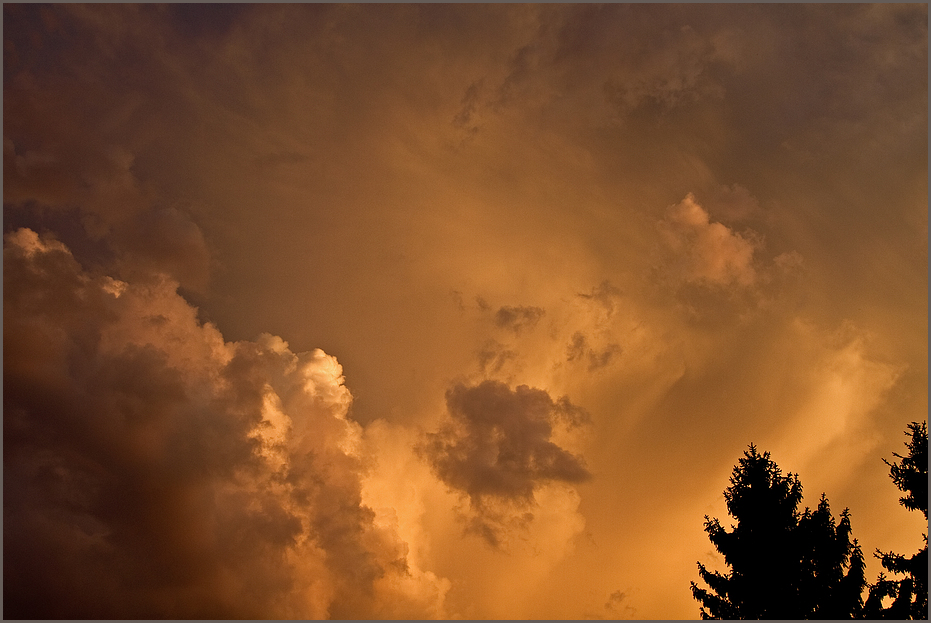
<point x="459" y="311"/>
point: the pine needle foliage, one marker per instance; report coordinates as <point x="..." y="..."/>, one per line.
<point x="783" y="563"/>
<point x="910" y="593"/>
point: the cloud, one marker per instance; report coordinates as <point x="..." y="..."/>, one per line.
<point x="841" y="389"/>
<point x="493" y="356"/>
<point x="466" y="118"/>
<point x="518" y="318"/>
<point x="578" y="349"/>
<point x="165" y="240"/>
<point x="396" y="487"/>
<point x="789" y="261"/>
<point x="496" y="449"/>
<point x="706" y="252"/>
<point x="617" y="605"/>
<point x="718" y="276"/>
<point x="544" y="138"/>
<point x="673" y="73"/>
<point x="605" y="293"/>
<point x="59" y="161"/>
<point x="736" y="203"/>
<point x="153" y="469"/>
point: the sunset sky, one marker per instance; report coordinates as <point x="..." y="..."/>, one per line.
<point x="447" y="311"/>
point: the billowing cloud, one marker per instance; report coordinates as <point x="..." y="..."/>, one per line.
<point x="496" y="448"/>
<point x="704" y="251"/>
<point x="152" y="469"/>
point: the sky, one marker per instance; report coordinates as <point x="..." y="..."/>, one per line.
<point x="447" y="311"/>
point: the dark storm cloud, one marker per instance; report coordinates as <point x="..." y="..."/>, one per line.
<point x="518" y="318"/>
<point x="77" y="159"/>
<point x="496" y="448"/>
<point x="153" y="470"/>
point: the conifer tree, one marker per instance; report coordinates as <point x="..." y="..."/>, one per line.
<point x="784" y="564"/>
<point x="910" y="594"/>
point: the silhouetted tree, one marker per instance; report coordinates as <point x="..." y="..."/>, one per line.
<point x="784" y="564"/>
<point x="911" y="592"/>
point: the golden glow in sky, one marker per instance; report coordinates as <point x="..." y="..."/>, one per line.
<point x="447" y="311"/>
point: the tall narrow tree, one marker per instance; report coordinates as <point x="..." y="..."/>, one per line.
<point x="784" y="564"/>
<point x="910" y="593"/>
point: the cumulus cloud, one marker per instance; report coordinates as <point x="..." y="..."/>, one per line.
<point x="152" y="469"/>
<point x="496" y="449"/>
<point x="704" y="251"/>
<point x="518" y="318"/>
<point x="111" y="205"/>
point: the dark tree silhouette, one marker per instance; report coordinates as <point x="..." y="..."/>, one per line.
<point x="784" y="564"/>
<point x="910" y="593"/>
